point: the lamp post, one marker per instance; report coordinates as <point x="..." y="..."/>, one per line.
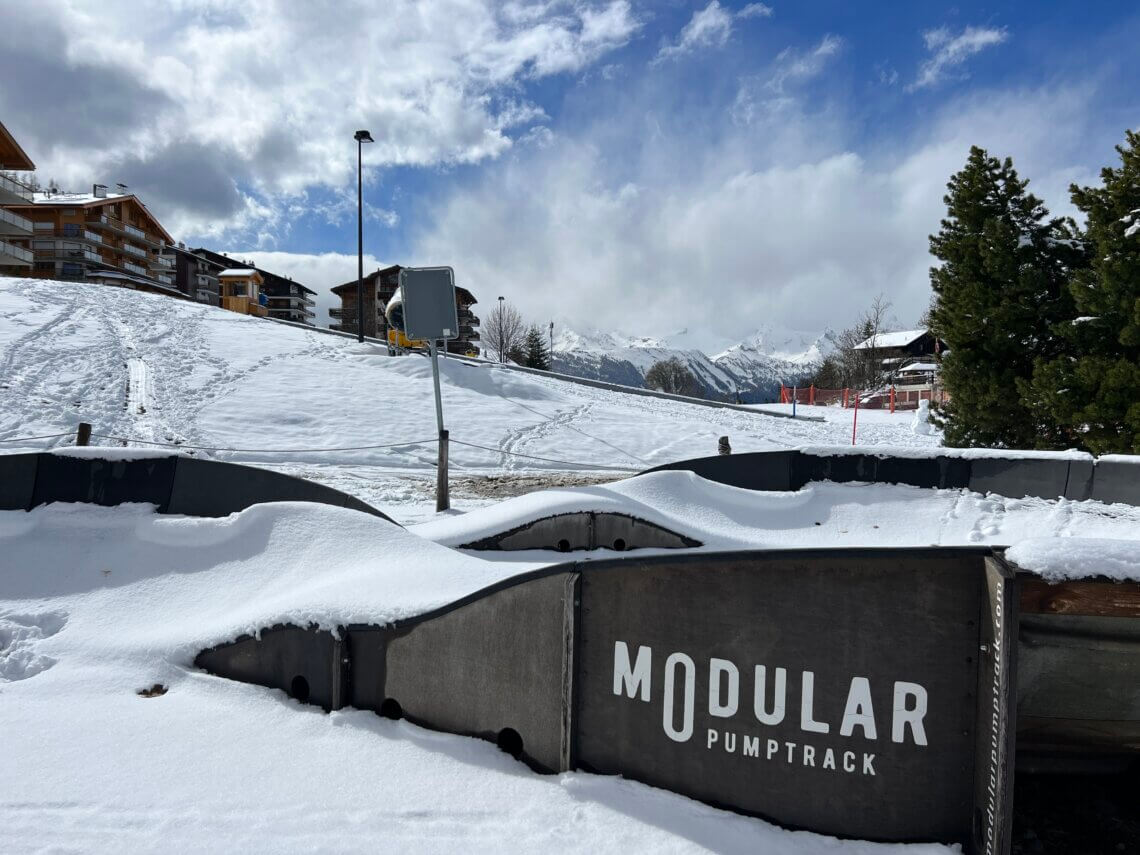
<point x="502" y="356"/>
<point x="361" y="137"/>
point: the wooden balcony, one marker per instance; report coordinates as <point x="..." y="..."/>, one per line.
<point x="244" y="306"/>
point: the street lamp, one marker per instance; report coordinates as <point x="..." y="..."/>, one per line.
<point x="361" y="137"/>
<point x="502" y="358"/>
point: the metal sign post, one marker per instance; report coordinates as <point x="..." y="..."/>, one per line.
<point x="430" y="313"/>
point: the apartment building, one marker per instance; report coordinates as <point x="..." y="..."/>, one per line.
<point x="15" y="189"/>
<point x="196" y="276"/>
<point x="99" y="236"/>
<point x="286" y="300"/>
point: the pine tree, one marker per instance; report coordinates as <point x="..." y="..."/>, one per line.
<point x="999" y="293"/>
<point x="536" y="353"/>
<point x="1093" y="390"/>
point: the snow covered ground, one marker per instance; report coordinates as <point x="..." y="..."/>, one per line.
<point x="97" y="604"/>
<point x="149" y="368"/>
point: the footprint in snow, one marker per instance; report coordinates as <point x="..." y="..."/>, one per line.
<point x="20" y="635"/>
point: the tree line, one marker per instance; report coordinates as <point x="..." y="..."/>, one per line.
<point x="1040" y="316"/>
<point x="505" y="334"/>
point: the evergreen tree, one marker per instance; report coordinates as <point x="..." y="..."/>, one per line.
<point x="536" y="353"/>
<point x="1001" y="290"/>
<point x="1093" y="390"/>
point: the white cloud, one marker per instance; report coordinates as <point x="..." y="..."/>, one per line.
<point x="784" y="222"/>
<point x="792" y="64"/>
<point x="710" y="27"/>
<point x="949" y="51"/>
<point x="263" y="95"/>
<point x="766" y="93"/>
<point x="755" y="10"/>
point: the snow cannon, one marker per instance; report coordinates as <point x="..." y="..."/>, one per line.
<point x="394" y="314"/>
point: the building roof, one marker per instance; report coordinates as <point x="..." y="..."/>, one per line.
<point x="89" y="200"/>
<point x="238" y="271"/>
<point x="368" y="277"/>
<point x="920" y="366"/>
<point x="11" y="155"/>
<point x="891" y="339"/>
<point x="43" y="197"/>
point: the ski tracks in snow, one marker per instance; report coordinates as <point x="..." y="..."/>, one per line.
<point x="518" y="440"/>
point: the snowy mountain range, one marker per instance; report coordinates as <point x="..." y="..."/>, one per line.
<point x="754" y="367"/>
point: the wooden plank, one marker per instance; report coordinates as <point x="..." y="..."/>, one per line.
<point x="1093" y="599"/>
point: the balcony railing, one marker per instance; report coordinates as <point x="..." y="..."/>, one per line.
<point x="161" y="262"/>
<point x="134" y="268"/>
<point x="67" y="254"/>
<point x="14" y="222"/>
<point x="9" y="184"/>
<point x="115" y="225"/>
<point x="17" y="252"/>
<point x="134" y="250"/>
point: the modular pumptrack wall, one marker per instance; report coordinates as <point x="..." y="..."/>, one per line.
<point x="174" y="484"/>
<point x="1112" y="478"/>
<point x="862" y="693"/>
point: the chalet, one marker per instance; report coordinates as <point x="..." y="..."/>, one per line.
<point x="15" y="229"/>
<point x="286" y="300"/>
<point x="378" y="290"/>
<point x="241" y="291"/>
<point x="898" y="350"/>
<point x="909" y="360"/>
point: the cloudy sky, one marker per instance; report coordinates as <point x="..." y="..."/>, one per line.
<point x="639" y="166"/>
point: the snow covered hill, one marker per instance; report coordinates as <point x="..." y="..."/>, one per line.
<point x="753" y="368"/>
<point x="151" y="369"/>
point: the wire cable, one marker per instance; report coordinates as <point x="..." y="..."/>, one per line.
<point x="261" y="450"/>
<point x="30" y="438"/>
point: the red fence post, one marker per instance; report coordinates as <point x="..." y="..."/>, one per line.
<point x="811" y="394"/>
<point x="892" y="399"/>
<point x="855" y="420"/>
<point x="845" y="397"/>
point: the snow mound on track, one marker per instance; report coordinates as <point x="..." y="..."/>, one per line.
<point x="822" y="514"/>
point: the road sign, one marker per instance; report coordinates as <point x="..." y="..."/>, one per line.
<point x="428" y="294"/>
<point x="430" y="314"/>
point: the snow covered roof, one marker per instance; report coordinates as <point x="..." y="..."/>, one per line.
<point x="43" y="198"/>
<point x="892" y="339"/>
<point x="920" y="366"/>
<point x="237" y="271"/>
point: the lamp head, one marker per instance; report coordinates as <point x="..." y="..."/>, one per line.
<point x="363" y="136"/>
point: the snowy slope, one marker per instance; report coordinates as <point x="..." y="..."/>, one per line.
<point x="150" y="368"/>
<point x="754" y="367"/>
